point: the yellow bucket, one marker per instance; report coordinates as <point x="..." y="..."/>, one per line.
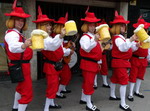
<point x="71" y="28"/>
<point x="145" y="45"/>
<point x="141" y="33"/>
<point x="103" y="31"/>
<point x="37" y="42"/>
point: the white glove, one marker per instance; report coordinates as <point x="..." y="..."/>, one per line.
<point x="39" y="32"/>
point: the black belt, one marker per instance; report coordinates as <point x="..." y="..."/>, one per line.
<point x="89" y="59"/>
<point x="139" y="57"/>
<point x="19" y="61"/>
<point x="49" y="61"/>
<point x="119" y="58"/>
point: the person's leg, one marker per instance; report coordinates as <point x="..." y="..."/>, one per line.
<point x="17" y="97"/>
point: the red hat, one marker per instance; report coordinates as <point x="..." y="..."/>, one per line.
<point x="42" y="18"/>
<point x="90" y="17"/>
<point x="62" y="20"/>
<point x="119" y="19"/>
<point x="141" y="21"/>
<point x="17" y="12"/>
<point x="102" y="22"/>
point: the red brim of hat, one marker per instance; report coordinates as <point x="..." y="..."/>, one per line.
<point x="90" y="20"/>
<point x="43" y="20"/>
<point x="145" y="25"/>
<point x="22" y="15"/>
<point x="119" y="21"/>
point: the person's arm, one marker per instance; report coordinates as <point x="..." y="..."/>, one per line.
<point x="12" y="39"/>
<point x="87" y="44"/>
<point x="148" y="57"/>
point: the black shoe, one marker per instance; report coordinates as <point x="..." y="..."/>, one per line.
<point x="83" y="102"/>
<point x="95" y="87"/>
<point x="106" y="86"/>
<point x="67" y="91"/>
<point x="61" y="96"/>
<point x="14" y="109"/>
<point x="125" y="108"/>
<point x="130" y="98"/>
<point x="94" y="108"/>
<point x="139" y="95"/>
<point x="112" y="98"/>
<point x="56" y="106"/>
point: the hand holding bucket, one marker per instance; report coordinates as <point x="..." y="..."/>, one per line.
<point x="71" y="28"/>
<point x="103" y="31"/>
<point x="37" y="37"/>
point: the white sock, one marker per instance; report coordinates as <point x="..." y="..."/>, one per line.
<point x="137" y="86"/>
<point x="104" y="79"/>
<point x="60" y="89"/>
<point x="17" y="97"/>
<point x="83" y="96"/>
<point x="64" y="88"/>
<point x="52" y="102"/>
<point x="95" y="81"/>
<point x="131" y="88"/>
<point x="88" y="101"/>
<point x="112" y="90"/>
<point x="22" y="107"/>
<point x="123" y="94"/>
<point x="47" y="104"/>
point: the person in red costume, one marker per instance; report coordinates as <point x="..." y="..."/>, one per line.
<point x="91" y="55"/>
<point x="104" y="67"/>
<point x="17" y="47"/>
<point x="121" y="53"/>
<point x="139" y="63"/>
<point x="53" y="53"/>
<point x="65" y="75"/>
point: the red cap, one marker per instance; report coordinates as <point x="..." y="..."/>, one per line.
<point x="90" y="17"/>
<point x="17" y="11"/>
<point x="141" y="21"/>
<point x="42" y="18"/>
<point x="119" y="19"/>
<point x="62" y="20"/>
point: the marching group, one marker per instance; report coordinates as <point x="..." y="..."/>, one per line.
<point x="126" y="53"/>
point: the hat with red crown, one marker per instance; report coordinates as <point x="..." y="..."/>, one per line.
<point x="141" y="21"/>
<point x="62" y="20"/>
<point x="90" y="17"/>
<point x="42" y="18"/>
<point x="102" y="22"/>
<point x="17" y="11"/>
<point x="119" y="19"/>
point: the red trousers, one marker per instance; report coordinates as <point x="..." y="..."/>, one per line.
<point x="65" y="75"/>
<point x="120" y="76"/>
<point x="104" y="67"/>
<point x="88" y="82"/>
<point x="25" y="88"/>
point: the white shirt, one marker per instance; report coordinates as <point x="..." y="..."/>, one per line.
<point x="88" y="44"/>
<point x="52" y="44"/>
<point x="66" y="50"/>
<point x="122" y="45"/>
<point x="12" y="39"/>
<point x="148" y="57"/>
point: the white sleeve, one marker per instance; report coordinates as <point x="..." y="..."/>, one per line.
<point x="66" y="51"/>
<point x="134" y="47"/>
<point x="52" y="44"/>
<point x="122" y="45"/>
<point x="148" y="57"/>
<point x="87" y="44"/>
<point x="12" y="39"/>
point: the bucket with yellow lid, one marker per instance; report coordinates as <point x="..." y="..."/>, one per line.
<point x="71" y="28"/>
<point x="37" y="37"/>
<point x="141" y="33"/>
<point x="103" y="31"/>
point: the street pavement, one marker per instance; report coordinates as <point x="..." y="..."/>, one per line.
<point x="71" y="103"/>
